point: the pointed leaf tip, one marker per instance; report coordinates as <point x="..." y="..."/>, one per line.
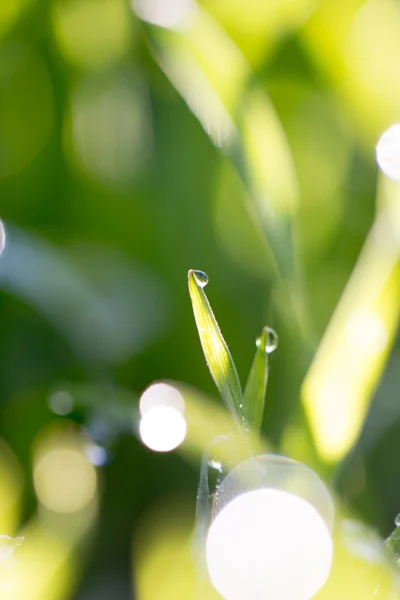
<point x="256" y="386"/>
<point x="200" y="277"/>
<point x="216" y="351"/>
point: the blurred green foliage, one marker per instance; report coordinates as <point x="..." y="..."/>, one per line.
<point x="116" y="179"/>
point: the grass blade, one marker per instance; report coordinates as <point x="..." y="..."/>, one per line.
<point x="353" y="352"/>
<point x="216" y="351"/>
<point x="256" y="386"/>
<point x="203" y="513"/>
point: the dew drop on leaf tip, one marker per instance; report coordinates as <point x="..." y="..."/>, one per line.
<point x="397" y="520"/>
<point x="200" y="277"/>
<point x="272" y="340"/>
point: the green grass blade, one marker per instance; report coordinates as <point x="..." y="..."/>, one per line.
<point x="203" y="512"/>
<point x="256" y="386"/>
<point x="216" y="351"/>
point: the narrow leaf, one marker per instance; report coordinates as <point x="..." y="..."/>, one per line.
<point x="203" y="513"/>
<point x="256" y="386"/>
<point x="216" y="351"/>
<point x="340" y="384"/>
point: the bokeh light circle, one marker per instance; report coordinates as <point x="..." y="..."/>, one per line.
<point x="64" y="479"/>
<point x="162" y="428"/>
<point x="268" y="544"/>
<point x="161" y="394"/>
<point x="270" y="536"/>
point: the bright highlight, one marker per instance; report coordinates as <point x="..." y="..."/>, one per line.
<point x="388" y="152"/>
<point x="268" y="543"/>
<point x="161" y="394"/>
<point x="346" y="368"/>
<point x="2" y="237"/>
<point x="367" y="332"/>
<point x="163" y="428"/>
<point x="170" y="14"/>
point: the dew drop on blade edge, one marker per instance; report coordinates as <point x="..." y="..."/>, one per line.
<point x="2" y="237"/>
<point x="215" y="464"/>
<point x="201" y="278"/>
<point x="272" y="340"/>
<point x="397" y="520"/>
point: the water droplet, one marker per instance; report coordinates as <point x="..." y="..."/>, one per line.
<point x="8" y="545"/>
<point x="272" y="340"/>
<point x="397" y="520"/>
<point x="215" y="464"/>
<point x="201" y="278"/>
<point x="2" y="237"/>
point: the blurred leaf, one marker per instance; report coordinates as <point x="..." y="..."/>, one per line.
<point x="257" y="26"/>
<point x="9" y="14"/>
<point x="356" y="44"/>
<point x="26" y="106"/>
<point x="360" y="569"/>
<point x="97" y="319"/>
<point x="256" y="386"/>
<point x="216" y="351"/>
<point x="353" y="352"/>
<point x="48" y="562"/>
<point x="238" y="226"/>
<point x="319" y="137"/>
<point x="221" y="62"/>
<point x="10" y="490"/>
<point x="185" y="71"/>
<point x="270" y="166"/>
<point x="164" y="565"/>
<point x="213" y="79"/>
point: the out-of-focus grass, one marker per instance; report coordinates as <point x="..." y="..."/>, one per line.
<point x="111" y="191"/>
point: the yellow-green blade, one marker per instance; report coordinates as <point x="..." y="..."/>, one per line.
<point x="256" y="386"/>
<point x="216" y="351"/>
<point x="353" y="352"/>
